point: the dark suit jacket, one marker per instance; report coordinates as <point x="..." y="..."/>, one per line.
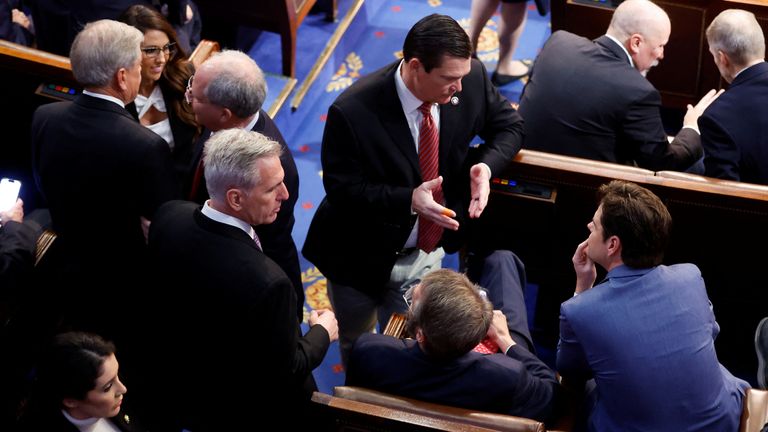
<point x="228" y="314"/>
<point x="17" y="254"/>
<point x="517" y="383"/>
<point x="276" y="238"/>
<point x="370" y="168"/>
<point x="647" y="337"/>
<point x="100" y="171"/>
<point x="584" y="99"/>
<point x="9" y="30"/>
<point x="734" y="131"/>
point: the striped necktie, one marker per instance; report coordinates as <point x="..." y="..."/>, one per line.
<point x="429" y="232"/>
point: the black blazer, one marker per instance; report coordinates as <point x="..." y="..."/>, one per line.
<point x="99" y="170"/>
<point x="734" y="132"/>
<point x="584" y="99"/>
<point x="276" y="238"/>
<point x="370" y="168"/>
<point x="228" y="312"/>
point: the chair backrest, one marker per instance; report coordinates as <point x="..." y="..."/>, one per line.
<point x="204" y="49"/>
<point x="44" y="242"/>
<point x="396" y="326"/>
<point x="754" y="415"/>
<point x="450" y="415"/>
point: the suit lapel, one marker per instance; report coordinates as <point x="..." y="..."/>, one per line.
<point x="394" y="121"/>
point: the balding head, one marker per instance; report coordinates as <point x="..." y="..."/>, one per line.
<point x="736" y="34"/>
<point x="235" y="82"/>
<point x="643" y="28"/>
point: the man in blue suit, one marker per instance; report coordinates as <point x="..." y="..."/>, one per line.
<point x="645" y="334"/>
<point x="734" y="133"/>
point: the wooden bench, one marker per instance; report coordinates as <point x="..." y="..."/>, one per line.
<point x="355" y="408"/>
<point x="277" y="16"/>
<point x="542" y="212"/>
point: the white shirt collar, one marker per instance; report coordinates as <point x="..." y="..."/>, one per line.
<point x="252" y="123"/>
<point x="409" y="102"/>
<point x="224" y="218"/>
<point x="105" y="97"/>
<point x="618" y="42"/>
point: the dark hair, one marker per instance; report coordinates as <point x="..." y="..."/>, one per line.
<point x="433" y="37"/>
<point x="452" y="315"/>
<point x="70" y="368"/>
<point x="639" y="219"/>
<point x="177" y="70"/>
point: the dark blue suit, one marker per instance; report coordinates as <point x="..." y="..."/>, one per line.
<point x="517" y="383"/>
<point x="734" y="132"/>
<point x="646" y="336"/>
<point x="585" y="99"/>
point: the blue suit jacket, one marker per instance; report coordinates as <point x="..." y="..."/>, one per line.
<point x="647" y="338"/>
<point x="517" y="383"/>
<point x="734" y="132"/>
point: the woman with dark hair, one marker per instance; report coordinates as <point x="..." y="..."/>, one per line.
<point x="77" y="388"/>
<point x="165" y="71"/>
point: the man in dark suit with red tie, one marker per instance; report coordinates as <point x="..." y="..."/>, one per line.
<point x="393" y="202"/>
<point x="228" y="91"/>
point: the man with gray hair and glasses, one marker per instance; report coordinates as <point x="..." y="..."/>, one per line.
<point x="734" y="132"/>
<point x="103" y="176"/>
<point x="228" y="91"/>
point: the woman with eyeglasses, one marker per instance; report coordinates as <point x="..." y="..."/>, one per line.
<point x="160" y="104"/>
<point x="77" y="388"/>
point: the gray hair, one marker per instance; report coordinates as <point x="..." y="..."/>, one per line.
<point x="737" y="33"/>
<point x="230" y="160"/>
<point x="101" y="49"/>
<point x="237" y="84"/>
<point x="636" y="17"/>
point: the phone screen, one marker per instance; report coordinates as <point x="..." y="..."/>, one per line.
<point x="9" y="192"/>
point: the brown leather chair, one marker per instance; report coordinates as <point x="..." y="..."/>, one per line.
<point x="438" y="413"/>
<point x="754" y="415"/>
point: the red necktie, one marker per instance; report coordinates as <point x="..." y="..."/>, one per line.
<point x="429" y="232"/>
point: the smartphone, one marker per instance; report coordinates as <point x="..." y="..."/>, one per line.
<point x="9" y="193"/>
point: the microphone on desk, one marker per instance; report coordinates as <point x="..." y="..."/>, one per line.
<point x="454" y="100"/>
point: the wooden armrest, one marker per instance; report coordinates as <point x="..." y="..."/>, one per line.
<point x="442" y="412"/>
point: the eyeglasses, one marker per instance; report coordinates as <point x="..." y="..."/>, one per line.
<point x="188" y="91"/>
<point x="168" y="49"/>
<point x="408" y="295"/>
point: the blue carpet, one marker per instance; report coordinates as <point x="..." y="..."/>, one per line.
<point x="373" y="40"/>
